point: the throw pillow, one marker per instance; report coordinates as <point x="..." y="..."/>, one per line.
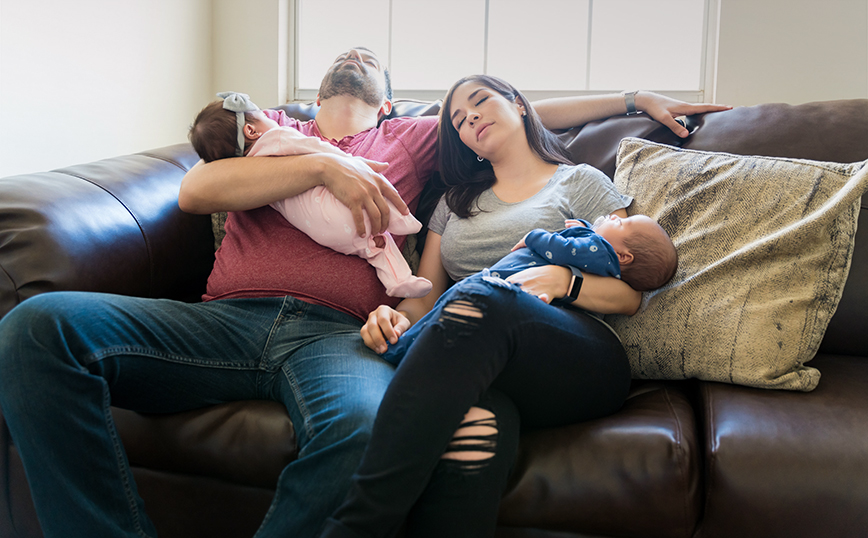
<point x="218" y="224"/>
<point x="764" y="248"/>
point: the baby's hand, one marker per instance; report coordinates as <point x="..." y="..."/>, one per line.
<point x="570" y="223"/>
<point x="520" y="244"/>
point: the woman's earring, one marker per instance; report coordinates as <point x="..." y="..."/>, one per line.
<point x="480" y="159"/>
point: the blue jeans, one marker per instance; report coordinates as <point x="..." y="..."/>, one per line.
<point x="65" y="357"/>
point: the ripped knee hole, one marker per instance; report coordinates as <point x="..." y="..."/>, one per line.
<point x="475" y="440"/>
<point x="460" y="310"/>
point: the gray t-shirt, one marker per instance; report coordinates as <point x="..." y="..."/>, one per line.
<point x="472" y="244"/>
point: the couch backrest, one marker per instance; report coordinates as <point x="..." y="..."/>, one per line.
<point x="115" y="226"/>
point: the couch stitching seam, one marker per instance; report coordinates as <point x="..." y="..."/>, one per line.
<point x="14" y="285"/>
<point x="709" y="421"/>
<point x="164" y="159"/>
<point x="138" y="224"/>
<point x="679" y="445"/>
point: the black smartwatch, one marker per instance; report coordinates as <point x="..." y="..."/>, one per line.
<point x="575" y="284"/>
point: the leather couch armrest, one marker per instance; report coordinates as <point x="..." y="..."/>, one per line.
<point x="109" y="226"/>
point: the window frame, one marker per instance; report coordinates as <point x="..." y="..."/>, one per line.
<point x="705" y="93"/>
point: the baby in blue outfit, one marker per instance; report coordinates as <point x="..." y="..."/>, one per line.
<point x="635" y="249"/>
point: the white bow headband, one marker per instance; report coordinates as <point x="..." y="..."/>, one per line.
<point x="238" y="103"/>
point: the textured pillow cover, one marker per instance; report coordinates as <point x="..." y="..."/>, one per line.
<point x="764" y="248"/>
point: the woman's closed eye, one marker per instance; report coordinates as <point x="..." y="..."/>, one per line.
<point x="460" y="123"/>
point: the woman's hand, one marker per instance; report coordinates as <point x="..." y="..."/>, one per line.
<point x="665" y="110"/>
<point x="548" y="282"/>
<point x="384" y="325"/>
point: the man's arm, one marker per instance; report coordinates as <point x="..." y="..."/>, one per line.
<point x="567" y="112"/>
<point x="250" y="182"/>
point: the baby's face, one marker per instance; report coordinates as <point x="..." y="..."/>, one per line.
<point x="614" y="229"/>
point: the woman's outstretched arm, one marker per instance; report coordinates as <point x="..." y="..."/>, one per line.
<point x="567" y="112"/>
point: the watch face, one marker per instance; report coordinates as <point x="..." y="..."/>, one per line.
<point x="575" y="286"/>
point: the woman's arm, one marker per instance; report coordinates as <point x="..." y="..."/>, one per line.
<point x="604" y="295"/>
<point x="430" y="267"/>
<point x="567" y="112"/>
<point x="601" y="294"/>
<point x="251" y="182"/>
<point x="387" y="324"/>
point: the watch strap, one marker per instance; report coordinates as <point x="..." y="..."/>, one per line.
<point x="630" y="101"/>
<point x="575" y="284"/>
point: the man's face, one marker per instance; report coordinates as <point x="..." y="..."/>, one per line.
<point x="357" y="73"/>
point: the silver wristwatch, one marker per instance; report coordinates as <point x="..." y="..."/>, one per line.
<point x="630" y="101"/>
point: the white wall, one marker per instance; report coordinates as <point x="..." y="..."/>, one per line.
<point x="89" y="79"/>
<point x="792" y="51"/>
<point x="250" y="49"/>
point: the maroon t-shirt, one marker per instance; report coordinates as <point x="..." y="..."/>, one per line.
<point x="263" y="255"/>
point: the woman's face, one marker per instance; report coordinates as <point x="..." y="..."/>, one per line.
<point x="485" y="120"/>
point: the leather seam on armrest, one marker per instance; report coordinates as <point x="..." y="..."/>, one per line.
<point x="682" y="456"/>
<point x="151" y="276"/>
<point x="170" y="161"/>
<point x="14" y="285"/>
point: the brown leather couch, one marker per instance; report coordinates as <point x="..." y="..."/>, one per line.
<point x="681" y="459"/>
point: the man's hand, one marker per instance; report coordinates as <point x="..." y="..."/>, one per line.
<point x="548" y="282"/>
<point x="665" y="110"/>
<point x="385" y="324"/>
<point x="359" y="184"/>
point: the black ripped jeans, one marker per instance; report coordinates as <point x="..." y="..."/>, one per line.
<point x="558" y="365"/>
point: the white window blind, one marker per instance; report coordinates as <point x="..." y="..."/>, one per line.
<point x="544" y="47"/>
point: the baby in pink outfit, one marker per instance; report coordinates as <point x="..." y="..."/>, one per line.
<point x="235" y="127"/>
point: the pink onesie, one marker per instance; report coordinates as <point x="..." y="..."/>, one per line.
<point x="330" y="223"/>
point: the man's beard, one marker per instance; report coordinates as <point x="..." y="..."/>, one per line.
<point x="353" y="83"/>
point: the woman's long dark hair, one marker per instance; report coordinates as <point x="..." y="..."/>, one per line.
<point x="465" y="177"/>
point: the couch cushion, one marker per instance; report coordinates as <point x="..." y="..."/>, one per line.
<point x="846" y="334"/>
<point x="247" y="443"/>
<point x="823" y="131"/>
<point x="767" y="453"/>
<point x="764" y="245"/>
<point x="634" y="473"/>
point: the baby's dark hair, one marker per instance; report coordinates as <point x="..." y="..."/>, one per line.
<point x="655" y="259"/>
<point x="214" y="133"/>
